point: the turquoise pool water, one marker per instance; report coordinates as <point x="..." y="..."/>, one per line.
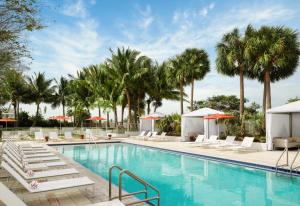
<point x="185" y="180"/>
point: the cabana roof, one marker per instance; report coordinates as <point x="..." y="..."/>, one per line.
<point x="293" y="107"/>
<point x="202" y="112"/>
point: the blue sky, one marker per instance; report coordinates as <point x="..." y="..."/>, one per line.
<point x="80" y="32"/>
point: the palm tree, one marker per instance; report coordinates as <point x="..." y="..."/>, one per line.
<point x="60" y="94"/>
<point x="273" y="54"/>
<point x="159" y="87"/>
<point x="197" y="63"/>
<point x="230" y="60"/>
<point x="178" y="75"/>
<point x="16" y="87"/>
<point x="41" y="91"/>
<point x="127" y="67"/>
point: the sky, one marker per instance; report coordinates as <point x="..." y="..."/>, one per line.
<point x="81" y="32"/>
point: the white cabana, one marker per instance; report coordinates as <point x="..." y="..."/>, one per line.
<point x="282" y="121"/>
<point x="194" y="122"/>
<point x="149" y="124"/>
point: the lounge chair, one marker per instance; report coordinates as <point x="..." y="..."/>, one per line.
<point x="39" y="136"/>
<point x="39" y="174"/>
<point x="49" y="185"/>
<point x="229" y="141"/>
<point x="29" y="153"/>
<point x="154" y="136"/>
<point x="9" y="198"/>
<point x="68" y="136"/>
<point x="199" y="139"/>
<point x="213" y="139"/>
<point x="53" y="136"/>
<point x="245" y="145"/>
<point x="35" y="166"/>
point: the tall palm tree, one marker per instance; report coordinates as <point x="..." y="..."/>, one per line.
<point x="178" y="75"/>
<point x="41" y="91"/>
<point x="273" y="54"/>
<point x="16" y="87"/>
<point x="230" y="60"/>
<point x="159" y="88"/>
<point x="197" y="63"/>
<point x="128" y="66"/>
<point x="61" y="93"/>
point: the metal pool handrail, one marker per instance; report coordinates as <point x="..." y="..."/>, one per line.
<point x="135" y="177"/>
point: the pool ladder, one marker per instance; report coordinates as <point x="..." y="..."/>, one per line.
<point x="145" y="191"/>
<point x="286" y="164"/>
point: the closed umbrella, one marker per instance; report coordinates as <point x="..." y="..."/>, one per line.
<point x="7" y="120"/>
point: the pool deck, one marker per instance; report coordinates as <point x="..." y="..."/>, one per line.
<point x="76" y="197"/>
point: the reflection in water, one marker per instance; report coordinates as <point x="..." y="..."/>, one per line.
<point x="184" y="180"/>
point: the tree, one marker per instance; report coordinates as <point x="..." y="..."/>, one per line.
<point x="230" y="60"/>
<point x="16" y="87"/>
<point x="273" y="54"/>
<point x="158" y="86"/>
<point x="16" y="17"/>
<point x="61" y="93"/>
<point x="41" y="91"/>
<point x="127" y="67"/>
<point x="178" y="75"/>
<point x="293" y="99"/>
<point x="197" y="64"/>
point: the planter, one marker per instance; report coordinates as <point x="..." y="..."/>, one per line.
<point x="46" y="138"/>
<point x="81" y="136"/>
<point x="109" y="136"/>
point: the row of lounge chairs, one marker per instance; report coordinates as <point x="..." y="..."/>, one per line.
<point x="228" y="143"/>
<point x="151" y="136"/>
<point x="30" y="163"/>
<point x="39" y="136"/>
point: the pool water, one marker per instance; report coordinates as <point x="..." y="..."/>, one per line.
<point x="186" y="180"/>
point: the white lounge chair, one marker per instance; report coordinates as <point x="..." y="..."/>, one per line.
<point x="213" y="139"/>
<point x="68" y="136"/>
<point x="53" y="136"/>
<point x="142" y="134"/>
<point x="49" y="185"/>
<point x="39" y="174"/>
<point x="229" y="141"/>
<point x="29" y="153"/>
<point x="245" y="145"/>
<point x="35" y="166"/>
<point x="199" y="139"/>
<point x="39" y="136"/>
<point x="9" y="198"/>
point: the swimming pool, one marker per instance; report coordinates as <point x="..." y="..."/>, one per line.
<point x="186" y="180"/>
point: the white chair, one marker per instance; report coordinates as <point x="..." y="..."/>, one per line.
<point x="40" y="174"/>
<point x="245" y="145"/>
<point x="48" y="186"/>
<point x="53" y="136"/>
<point x="229" y="141"/>
<point x="199" y="139"/>
<point x="39" y="136"/>
<point x="68" y="136"/>
<point x="9" y="198"/>
<point x="206" y="142"/>
<point x="26" y="153"/>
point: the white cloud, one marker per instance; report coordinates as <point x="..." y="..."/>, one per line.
<point x="204" y="11"/>
<point x="77" y="9"/>
<point x="146" y="18"/>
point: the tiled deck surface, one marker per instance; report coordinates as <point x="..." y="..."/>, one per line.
<point x="83" y="197"/>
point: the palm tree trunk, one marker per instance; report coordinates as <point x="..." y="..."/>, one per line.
<point x="264" y="98"/>
<point x="148" y="107"/>
<point x="138" y="107"/>
<point x="181" y="97"/>
<point x="107" y="119"/>
<point x="242" y="97"/>
<point x="155" y="108"/>
<point x="15" y="111"/>
<point x="129" y="110"/>
<point x="64" y="113"/>
<point x="36" y="114"/>
<point x="116" y="116"/>
<point x="99" y="113"/>
<point x="122" y="114"/>
<point x="192" y="96"/>
<point x="18" y="112"/>
<point x="268" y="90"/>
